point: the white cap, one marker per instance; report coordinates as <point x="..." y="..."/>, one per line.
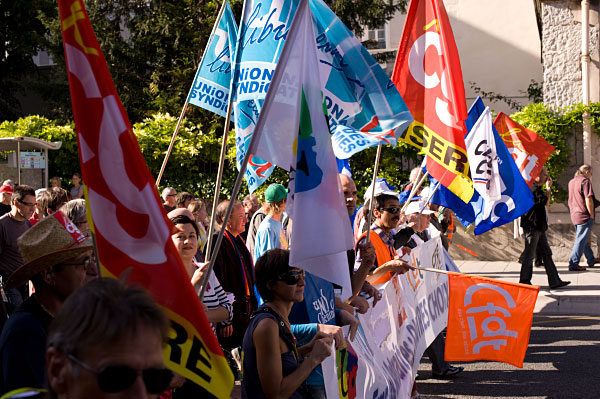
<point x="417" y="207"/>
<point x="381" y="188"/>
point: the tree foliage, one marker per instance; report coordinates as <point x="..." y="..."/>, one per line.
<point x="152" y="48"/>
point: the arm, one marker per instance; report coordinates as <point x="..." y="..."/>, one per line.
<point x="394" y="265"/>
<point x="365" y="261"/>
<point x="589" y="204"/>
<point x="79" y="193"/>
<point x="268" y="361"/>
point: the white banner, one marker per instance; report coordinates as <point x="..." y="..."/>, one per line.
<point x="383" y="359"/>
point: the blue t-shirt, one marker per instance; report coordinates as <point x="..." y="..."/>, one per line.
<point x="269" y="235"/>
<point x="318" y="306"/>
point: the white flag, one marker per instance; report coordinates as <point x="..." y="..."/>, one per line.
<point x="483" y="161"/>
<point x="292" y="132"/>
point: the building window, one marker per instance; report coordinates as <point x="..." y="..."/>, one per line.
<point x="376" y="38"/>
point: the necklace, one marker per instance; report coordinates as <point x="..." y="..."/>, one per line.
<point x="284" y="321"/>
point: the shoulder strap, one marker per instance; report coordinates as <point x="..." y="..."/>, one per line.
<point x="284" y="333"/>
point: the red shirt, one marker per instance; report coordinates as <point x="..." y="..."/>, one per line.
<point x="580" y="188"/>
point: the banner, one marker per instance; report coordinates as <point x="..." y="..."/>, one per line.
<point x="132" y="232"/>
<point x="515" y="199"/>
<point x="292" y="132"/>
<point x="489" y="319"/>
<point x="384" y="357"/>
<point x="211" y="86"/>
<point x="428" y="75"/>
<point x="483" y="161"/>
<point x="529" y="150"/>
<point x="362" y="103"/>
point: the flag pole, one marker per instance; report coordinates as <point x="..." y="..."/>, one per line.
<point x="413" y="192"/>
<point x="234" y="193"/>
<point x="164" y="164"/>
<point x="249" y="151"/>
<point x="219" y="178"/>
<point x="375" y="170"/>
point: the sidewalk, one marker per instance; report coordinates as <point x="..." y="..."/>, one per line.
<point x="581" y="297"/>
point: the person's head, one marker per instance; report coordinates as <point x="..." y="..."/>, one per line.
<point x="169" y="196"/>
<point x="585" y="171"/>
<point x="276" y="280"/>
<point x="350" y="193"/>
<point x="186" y="238"/>
<point x="56" y="182"/>
<point x="386" y="211"/>
<point x="251" y="205"/>
<point x="76" y="212"/>
<point x="51" y="200"/>
<point x="416" y="212"/>
<point x="542" y="177"/>
<point x="23" y="202"/>
<point x="76" y="179"/>
<point x="6" y="192"/>
<point x="9" y="182"/>
<point x="183" y="199"/>
<point x="107" y="342"/>
<point x="237" y="220"/>
<point x="56" y="257"/>
<point x="198" y="209"/>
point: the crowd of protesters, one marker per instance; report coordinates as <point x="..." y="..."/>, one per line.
<point x="275" y="323"/>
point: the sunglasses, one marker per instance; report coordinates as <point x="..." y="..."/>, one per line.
<point x="118" y="378"/>
<point x="292" y="277"/>
<point x="26" y="203"/>
<point x="391" y="210"/>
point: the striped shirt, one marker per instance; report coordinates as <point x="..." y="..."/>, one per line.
<point x="215" y="296"/>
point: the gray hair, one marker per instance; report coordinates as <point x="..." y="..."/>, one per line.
<point x="75" y="210"/>
<point x="166" y="192"/>
<point x="583" y="169"/>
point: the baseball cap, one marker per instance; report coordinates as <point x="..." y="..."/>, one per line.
<point x="381" y="187"/>
<point x="6" y="188"/>
<point x="417" y="207"/>
<point x="275" y="193"/>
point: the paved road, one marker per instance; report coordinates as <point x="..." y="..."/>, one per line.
<point x="562" y="361"/>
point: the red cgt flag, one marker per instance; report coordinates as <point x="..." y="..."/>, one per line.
<point x="428" y="75"/>
<point x="130" y="225"/>
<point x="529" y="150"/>
<point x="489" y="319"/>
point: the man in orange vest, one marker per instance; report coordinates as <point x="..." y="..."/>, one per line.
<point x="386" y="214"/>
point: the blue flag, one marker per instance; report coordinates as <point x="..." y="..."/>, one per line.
<point x="360" y="98"/>
<point x="213" y="79"/>
<point x="516" y="198"/>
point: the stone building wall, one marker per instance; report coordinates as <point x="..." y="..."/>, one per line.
<point x="561" y="49"/>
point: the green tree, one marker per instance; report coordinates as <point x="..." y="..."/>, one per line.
<point x="22" y="35"/>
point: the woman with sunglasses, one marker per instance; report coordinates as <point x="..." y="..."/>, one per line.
<point x="273" y="367"/>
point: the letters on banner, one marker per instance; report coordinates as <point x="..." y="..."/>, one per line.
<point x="489" y="319"/>
<point x="384" y="357"/>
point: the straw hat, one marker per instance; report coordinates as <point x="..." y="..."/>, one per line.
<point x="50" y="241"/>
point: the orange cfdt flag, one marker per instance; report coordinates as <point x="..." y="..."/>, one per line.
<point x="428" y="75"/>
<point x="529" y="150"/>
<point x="489" y="319"/>
<point x="131" y="228"/>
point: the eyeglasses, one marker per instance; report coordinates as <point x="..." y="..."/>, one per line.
<point x="118" y="378"/>
<point x="87" y="262"/>
<point x="292" y="277"/>
<point x="391" y="210"/>
<point x="171" y="195"/>
<point x="26" y="203"/>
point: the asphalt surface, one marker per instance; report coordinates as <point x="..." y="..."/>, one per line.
<point x="562" y="361"/>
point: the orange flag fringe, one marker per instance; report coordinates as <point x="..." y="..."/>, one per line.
<point x="131" y="228"/>
<point x="489" y="319"/>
